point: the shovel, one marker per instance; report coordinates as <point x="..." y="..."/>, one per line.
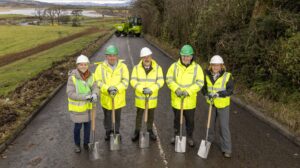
<point x="114" y="138"/>
<point x="180" y="141"/>
<point x="205" y="144"/>
<point x="144" y="135"/>
<point x="94" y="146"/>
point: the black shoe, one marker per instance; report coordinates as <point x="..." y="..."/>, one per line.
<point x="107" y="135"/>
<point x="77" y="149"/>
<point x="152" y="135"/>
<point x="173" y="140"/>
<point x="135" y="136"/>
<point x="226" y="155"/>
<point x="191" y="142"/>
<point x="86" y="146"/>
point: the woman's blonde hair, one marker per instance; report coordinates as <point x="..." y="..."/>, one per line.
<point x="223" y="67"/>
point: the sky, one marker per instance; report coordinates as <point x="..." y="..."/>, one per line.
<point x="93" y="1"/>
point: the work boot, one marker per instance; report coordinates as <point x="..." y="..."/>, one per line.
<point x="86" y="146"/>
<point x="152" y="135"/>
<point x="191" y="142"/>
<point x="107" y="135"/>
<point x="77" y="149"/>
<point x="227" y="155"/>
<point x="173" y="140"/>
<point x="118" y="132"/>
<point x="135" y="136"/>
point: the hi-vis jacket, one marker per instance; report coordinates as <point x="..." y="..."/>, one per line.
<point x="223" y="85"/>
<point x="189" y="78"/>
<point x="154" y="80"/>
<point x="105" y="77"/>
<point x="77" y="90"/>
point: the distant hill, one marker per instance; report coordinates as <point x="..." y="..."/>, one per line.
<point x="23" y="3"/>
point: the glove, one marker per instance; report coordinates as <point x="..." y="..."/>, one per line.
<point x="184" y="93"/>
<point x="178" y="92"/>
<point x="89" y="97"/>
<point x="147" y="91"/>
<point x="213" y="95"/>
<point x="112" y="90"/>
<point x="94" y="97"/>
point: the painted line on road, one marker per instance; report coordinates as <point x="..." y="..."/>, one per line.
<point x="161" y="150"/>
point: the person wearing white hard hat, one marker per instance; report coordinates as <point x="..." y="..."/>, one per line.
<point x="81" y="91"/>
<point x="218" y="87"/>
<point x="146" y="78"/>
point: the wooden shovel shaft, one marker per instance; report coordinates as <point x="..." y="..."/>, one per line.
<point x="146" y="109"/>
<point x="113" y="114"/>
<point x="181" y="116"/>
<point x="209" y="118"/>
<point x="93" y="115"/>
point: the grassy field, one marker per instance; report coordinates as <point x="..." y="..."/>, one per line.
<point x="18" y="38"/>
<point x="13" y="74"/>
<point x="8" y="16"/>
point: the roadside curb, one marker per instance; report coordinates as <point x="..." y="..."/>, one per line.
<point x="256" y="113"/>
<point x="18" y="131"/>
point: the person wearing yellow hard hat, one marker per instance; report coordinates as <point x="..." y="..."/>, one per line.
<point x="112" y="77"/>
<point x="81" y="91"/>
<point x="218" y="87"/>
<point x="146" y="79"/>
<point x="185" y="79"/>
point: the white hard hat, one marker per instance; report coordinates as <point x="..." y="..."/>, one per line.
<point x="82" y="59"/>
<point x="145" y="52"/>
<point x="216" y="59"/>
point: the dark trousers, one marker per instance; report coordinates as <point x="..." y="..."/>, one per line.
<point x="139" y="118"/>
<point x="223" y="115"/>
<point x="108" y="119"/>
<point x="87" y="129"/>
<point x="189" y="121"/>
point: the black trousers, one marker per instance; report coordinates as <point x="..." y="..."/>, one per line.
<point x="189" y="121"/>
<point x="108" y="119"/>
<point x="139" y="118"/>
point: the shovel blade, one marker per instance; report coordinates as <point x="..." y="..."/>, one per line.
<point x="115" y="142"/>
<point x="94" y="151"/>
<point x="180" y="144"/>
<point x="144" y="140"/>
<point x="204" y="149"/>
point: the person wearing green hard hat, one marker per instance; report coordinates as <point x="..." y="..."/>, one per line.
<point x="112" y="77"/>
<point x="185" y="78"/>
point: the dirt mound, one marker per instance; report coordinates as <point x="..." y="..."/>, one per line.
<point x="9" y="58"/>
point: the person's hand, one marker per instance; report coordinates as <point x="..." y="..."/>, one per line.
<point x="185" y="93"/>
<point x="94" y="97"/>
<point x="112" y="90"/>
<point x="147" y="91"/>
<point x="178" y="92"/>
<point x="89" y="97"/>
<point x="213" y="95"/>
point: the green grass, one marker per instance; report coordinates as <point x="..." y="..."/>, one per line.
<point x="9" y="16"/>
<point x="19" y="38"/>
<point x="13" y="74"/>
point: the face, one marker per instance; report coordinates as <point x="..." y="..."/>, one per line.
<point x="186" y="59"/>
<point x="112" y="59"/>
<point x="216" y="68"/>
<point x="82" y="67"/>
<point x="147" y="60"/>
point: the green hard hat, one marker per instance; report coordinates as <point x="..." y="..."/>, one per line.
<point x="187" y="50"/>
<point x="111" y="50"/>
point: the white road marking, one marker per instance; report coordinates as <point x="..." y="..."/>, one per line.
<point x="161" y="150"/>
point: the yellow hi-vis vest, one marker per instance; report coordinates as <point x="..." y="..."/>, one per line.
<point x="154" y="80"/>
<point x="106" y="77"/>
<point x="219" y="85"/>
<point x="189" y="78"/>
<point x="84" y="88"/>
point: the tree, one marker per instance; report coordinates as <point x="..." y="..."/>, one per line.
<point x="77" y="13"/>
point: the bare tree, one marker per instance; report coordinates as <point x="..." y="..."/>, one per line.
<point x="77" y="13"/>
<point x="39" y="13"/>
<point x="50" y="13"/>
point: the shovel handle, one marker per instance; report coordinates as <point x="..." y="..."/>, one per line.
<point x="209" y="113"/>
<point x="181" y="110"/>
<point x="113" y="110"/>
<point x="146" y="108"/>
<point x="93" y="116"/>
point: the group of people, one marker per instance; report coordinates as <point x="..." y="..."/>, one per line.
<point x="185" y="78"/>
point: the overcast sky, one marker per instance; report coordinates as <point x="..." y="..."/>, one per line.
<point x="94" y="1"/>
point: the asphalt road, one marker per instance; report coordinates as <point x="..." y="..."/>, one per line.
<point x="48" y="140"/>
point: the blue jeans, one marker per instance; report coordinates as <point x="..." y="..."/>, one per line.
<point x="77" y="128"/>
